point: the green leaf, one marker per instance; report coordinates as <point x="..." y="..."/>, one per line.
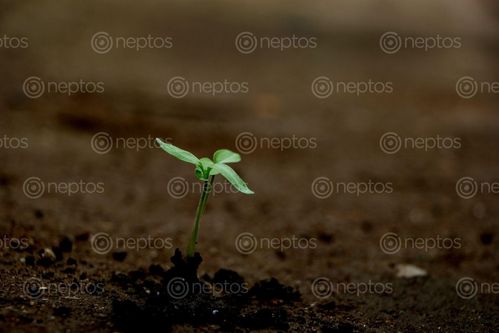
<point x="226" y="156"/>
<point x="199" y="172"/>
<point x="232" y="177"/>
<point x="206" y="163"/>
<point x="204" y="168"/>
<point x="181" y="154"/>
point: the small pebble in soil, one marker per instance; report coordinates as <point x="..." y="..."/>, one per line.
<point x="83" y="237"/>
<point x="326" y="237"/>
<point x="47" y="253"/>
<point x="29" y="260"/>
<point x="62" y="311"/>
<point x="486" y="238"/>
<point x="280" y="254"/>
<point x="366" y="226"/>
<point x="38" y="214"/>
<point x="71" y="262"/>
<point x="58" y="253"/>
<point x="119" y="256"/>
<point x="47" y="258"/>
<point x="66" y="245"/>
<point x="4" y="180"/>
<point x="409" y="271"/>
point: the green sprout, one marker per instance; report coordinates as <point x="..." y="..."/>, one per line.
<point x="206" y="169"/>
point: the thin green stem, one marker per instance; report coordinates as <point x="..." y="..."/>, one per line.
<point x="191" y="248"/>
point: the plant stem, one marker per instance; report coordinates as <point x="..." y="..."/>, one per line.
<point x="191" y="248"/>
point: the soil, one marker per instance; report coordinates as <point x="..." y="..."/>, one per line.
<point x="146" y="299"/>
<point x="52" y="278"/>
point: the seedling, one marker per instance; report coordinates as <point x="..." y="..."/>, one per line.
<point x="206" y="169"/>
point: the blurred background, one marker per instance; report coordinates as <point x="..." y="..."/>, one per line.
<point x="277" y="92"/>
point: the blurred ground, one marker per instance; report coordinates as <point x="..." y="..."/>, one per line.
<point x="280" y="103"/>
